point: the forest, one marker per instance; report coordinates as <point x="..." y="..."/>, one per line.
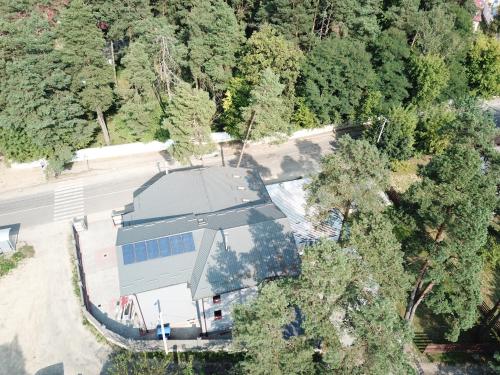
<point x="77" y="74"/>
<point x="413" y="74"/>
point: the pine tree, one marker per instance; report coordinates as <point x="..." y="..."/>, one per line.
<point x="271" y="116"/>
<point x="213" y="38"/>
<point x="452" y="206"/>
<point x="188" y="118"/>
<point x="355" y="175"/>
<point x="81" y="47"/>
<point x="259" y="331"/>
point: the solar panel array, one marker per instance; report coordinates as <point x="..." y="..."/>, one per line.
<point x="158" y="248"/>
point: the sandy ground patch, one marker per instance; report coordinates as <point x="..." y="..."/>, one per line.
<point x="40" y="321"/>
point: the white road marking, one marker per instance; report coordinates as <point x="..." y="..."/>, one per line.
<point x="68" y="201"/>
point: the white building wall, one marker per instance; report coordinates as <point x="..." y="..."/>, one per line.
<point x="177" y="307"/>
<point x="227" y="301"/>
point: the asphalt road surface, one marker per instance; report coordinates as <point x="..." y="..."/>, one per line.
<point x="62" y="201"/>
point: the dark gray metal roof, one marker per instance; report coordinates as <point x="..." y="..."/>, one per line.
<point x="255" y="236"/>
<point x="197" y="191"/>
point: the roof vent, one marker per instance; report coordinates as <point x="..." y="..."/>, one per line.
<point x="245" y="200"/>
<point x="201" y="221"/>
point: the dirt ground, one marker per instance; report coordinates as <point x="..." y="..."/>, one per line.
<point x="41" y="330"/>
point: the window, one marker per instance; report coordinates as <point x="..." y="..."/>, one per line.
<point x="216" y="299"/>
<point x="217" y="314"/>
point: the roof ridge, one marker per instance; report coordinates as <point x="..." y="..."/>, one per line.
<point x="204" y="251"/>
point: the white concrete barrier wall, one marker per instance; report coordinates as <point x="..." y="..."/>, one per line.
<point x="156" y="146"/>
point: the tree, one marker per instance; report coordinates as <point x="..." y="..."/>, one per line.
<point x="259" y="331"/>
<point x="266" y="48"/>
<point x="356" y="329"/>
<point x="395" y="134"/>
<point x="213" y="38"/>
<point x="303" y="117"/>
<point x="81" y="47"/>
<point x="188" y="118"/>
<point x="271" y="116"/>
<point x="137" y="72"/>
<point x="294" y="19"/>
<point x="336" y="77"/>
<point x="452" y="206"/>
<point x="483" y="66"/>
<point x="390" y="56"/>
<point x="39" y="115"/>
<point x="432" y="128"/>
<point x="355" y="175"/>
<point x="430" y="76"/>
<point x="372" y="236"/>
<point x="237" y="97"/>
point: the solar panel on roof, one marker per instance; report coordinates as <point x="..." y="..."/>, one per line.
<point x="162" y="247"/>
<point x="128" y="254"/>
<point x="164" y="244"/>
<point x="177" y="245"/>
<point x="188" y="242"/>
<point x="152" y="247"/>
<point x="140" y="251"/>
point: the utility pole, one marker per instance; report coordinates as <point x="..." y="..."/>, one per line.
<point x="160" y="318"/>
<point x="250" y="123"/>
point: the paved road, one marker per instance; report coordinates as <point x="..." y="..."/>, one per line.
<point x="64" y="200"/>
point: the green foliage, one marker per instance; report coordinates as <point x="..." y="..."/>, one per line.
<point x="293" y="19"/>
<point x="483" y="66"/>
<point x="355" y="174"/>
<point x="430" y="76"/>
<point x="303" y="117"/>
<point x="138" y="72"/>
<point x="372" y="236"/>
<point x="397" y="136"/>
<point x="266" y="48"/>
<point x="188" y="118"/>
<point x="258" y="330"/>
<point x="337" y="74"/>
<point x="267" y="106"/>
<point x="356" y="328"/>
<point x="390" y="56"/>
<point x="138" y="120"/>
<point x="432" y="128"/>
<point x="213" y="38"/>
<point x="10" y="261"/>
<point x="81" y="49"/>
<point x="237" y="97"/>
<point x="452" y="206"/>
<point x="128" y="363"/>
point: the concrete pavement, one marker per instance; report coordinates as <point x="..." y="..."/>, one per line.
<point x="110" y="184"/>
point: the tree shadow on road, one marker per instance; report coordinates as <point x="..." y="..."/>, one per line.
<point x="12" y="359"/>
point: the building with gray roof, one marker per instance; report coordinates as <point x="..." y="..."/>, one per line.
<point x="199" y="240"/>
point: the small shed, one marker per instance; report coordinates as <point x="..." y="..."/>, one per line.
<point x="6" y="242"/>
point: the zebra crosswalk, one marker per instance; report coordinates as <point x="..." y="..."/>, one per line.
<point x="68" y="201"/>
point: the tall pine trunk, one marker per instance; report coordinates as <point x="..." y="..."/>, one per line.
<point x="413" y="296"/>
<point x="102" y="123"/>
